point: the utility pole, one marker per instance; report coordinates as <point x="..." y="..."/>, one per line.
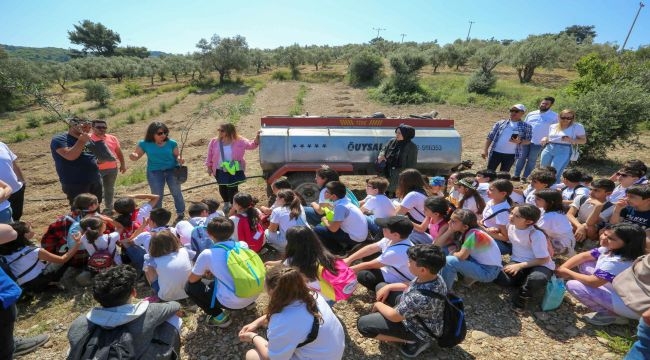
<point x="403" y="37"/>
<point x="631" y="27"/>
<point x="378" y="30"/>
<point x="470" y="28"/>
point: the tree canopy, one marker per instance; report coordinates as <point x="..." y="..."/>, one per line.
<point x="224" y="54"/>
<point x="95" y="38"/>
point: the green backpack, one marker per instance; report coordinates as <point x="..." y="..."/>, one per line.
<point x="247" y="271"/>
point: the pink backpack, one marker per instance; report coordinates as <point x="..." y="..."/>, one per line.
<point x="337" y="287"/>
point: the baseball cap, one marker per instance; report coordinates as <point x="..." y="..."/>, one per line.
<point x="437" y="181"/>
<point x="519" y="107"/>
<point x="398" y="223"/>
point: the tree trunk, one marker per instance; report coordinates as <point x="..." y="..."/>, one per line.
<point x="529" y="71"/>
<point x="152" y="76"/>
<point x="222" y="75"/>
<point x="520" y="76"/>
<point x="435" y="68"/>
<point x="176" y="77"/>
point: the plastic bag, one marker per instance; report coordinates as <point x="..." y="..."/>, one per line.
<point x="575" y="153"/>
<point x="555" y="290"/>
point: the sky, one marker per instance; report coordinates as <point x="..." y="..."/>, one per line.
<point x="176" y="26"/>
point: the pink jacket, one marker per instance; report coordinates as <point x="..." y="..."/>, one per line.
<point x="238" y="148"/>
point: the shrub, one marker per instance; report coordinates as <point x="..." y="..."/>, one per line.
<point x="101" y="115"/>
<point x="132" y="88"/>
<point x="365" y="68"/>
<point x="163" y="107"/>
<point x="281" y="75"/>
<point x="97" y="91"/>
<point x="130" y="119"/>
<point x="50" y="119"/>
<point x="18" y="137"/>
<point x="481" y="82"/>
<point x="33" y="122"/>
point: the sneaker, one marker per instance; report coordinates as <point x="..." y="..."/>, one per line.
<point x="411" y="350"/>
<point x="26" y="345"/>
<point x="601" y="319"/>
<point x="221" y="321"/>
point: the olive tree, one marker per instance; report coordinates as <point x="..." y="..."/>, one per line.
<point x="95" y="38"/>
<point x="293" y="56"/>
<point x="533" y="52"/>
<point x="224" y="54"/>
<point x="62" y="73"/>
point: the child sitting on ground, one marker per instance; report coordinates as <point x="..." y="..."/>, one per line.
<point x="280" y="184"/>
<point x="213" y="261"/>
<point x="470" y="198"/>
<point x="287" y="214"/>
<point x="167" y="266"/>
<point x="34" y="268"/>
<point x="415" y="317"/>
<point x="592" y="285"/>
<point x="198" y="213"/>
<point x="247" y="221"/>
<point x="391" y="265"/>
<point x="154" y="328"/>
<point x="137" y="245"/>
<point x="376" y="205"/>
<point x="572" y="180"/>
<point x="589" y="213"/>
<point x="495" y="214"/>
<point x="436" y="212"/>
<point x="484" y="178"/>
<point x="635" y="209"/>
<point x="554" y="222"/>
<point x="213" y="209"/>
<point x="95" y="241"/>
<point x="539" y="179"/>
<point x="129" y="217"/>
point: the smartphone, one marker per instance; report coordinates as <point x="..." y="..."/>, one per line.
<point x="514" y="136"/>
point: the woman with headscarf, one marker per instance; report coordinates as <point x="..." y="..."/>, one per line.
<point x="398" y="154"/>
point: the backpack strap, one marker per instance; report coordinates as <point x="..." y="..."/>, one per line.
<point x="313" y="333"/>
<point x="495" y="214"/>
<point x="573" y="195"/>
<point x="216" y="280"/>
<point x="22" y="254"/>
<point x="582" y="201"/>
<point x="396" y="269"/>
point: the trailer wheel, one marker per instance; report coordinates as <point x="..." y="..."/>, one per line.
<point x="304" y="184"/>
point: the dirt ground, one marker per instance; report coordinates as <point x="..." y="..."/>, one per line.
<point x="495" y="331"/>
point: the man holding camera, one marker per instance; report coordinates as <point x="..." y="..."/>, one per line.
<point x="75" y="162"/>
<point x="504" y="142"/>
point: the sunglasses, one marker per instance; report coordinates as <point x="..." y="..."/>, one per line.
<point x="101" y="127"/>
<point x="515" y="110"/>
<point x="566" y="117"/>
<point x="161" y="133"/>
<point x="621" y="174"/>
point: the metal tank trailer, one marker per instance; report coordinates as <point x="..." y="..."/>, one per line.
<point x="296" y="147"/>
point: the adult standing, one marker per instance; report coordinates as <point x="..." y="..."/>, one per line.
<point x="225" y="159"/>
<point x="558" y="143"/>
<point x="163" y="156"/>
<point x="398" y="154"/>
<point x="504" y="142"/>
<point x="540" y="120"/>
<point x="11" y="174"/>
<point x="108" y="169"/>
<point x="75" y="161"/>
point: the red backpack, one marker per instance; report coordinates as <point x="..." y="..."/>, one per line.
<point x="102" y="259"/>
<point x="255" y="240"/>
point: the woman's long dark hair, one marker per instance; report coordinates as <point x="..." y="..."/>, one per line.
<point x="291" y="201"/>
<point x="153" y="128"/>
<point x="286" y="285"/>
<point x="409" y="180"/>
<point x="305" y="251"/>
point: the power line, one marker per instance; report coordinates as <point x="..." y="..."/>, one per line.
<point x="470" y="28"/>
<point x="641" y="5"/>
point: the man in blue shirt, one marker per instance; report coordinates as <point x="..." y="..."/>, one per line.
<point x="505" y="140"/>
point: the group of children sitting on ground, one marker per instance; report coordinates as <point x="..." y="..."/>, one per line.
<point x="409" y="251"/>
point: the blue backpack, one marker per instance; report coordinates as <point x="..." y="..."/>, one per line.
<point x="200" y="240"/>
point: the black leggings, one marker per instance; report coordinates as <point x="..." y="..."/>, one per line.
<point x="370" y="278"/>
<point x="228" y="192"/>
<point x="201" y="294"/>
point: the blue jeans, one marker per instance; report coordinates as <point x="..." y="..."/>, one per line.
<point x="557" y="156"/>
<point x="5" y="216"/>
<point x="136" y="254"/>
<point x="529" y="155"/>
<point x="641" y="348"/>
<point x="497" y="159"/>
<point x="313" y="218"/>
<point x="468" y="268"/>
<point x="157" y="180"/>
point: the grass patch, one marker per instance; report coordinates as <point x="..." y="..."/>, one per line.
<point x="18" y="137"/>
<point x="137" y="175"/>
<point x="130" y="119"/>
<point x="281" y="75"/>
<point x="323" y="77"/>
<point x="163" y="107"/>
<point x="618" y="344"/>
<point x="298" y="106"/>
<point x="33" y="121"/>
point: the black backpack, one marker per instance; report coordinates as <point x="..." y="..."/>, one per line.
<point x="454" y="327"/>
<point x="104" y="344"/>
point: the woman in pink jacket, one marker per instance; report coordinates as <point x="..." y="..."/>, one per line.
<point x="225" y="160"/>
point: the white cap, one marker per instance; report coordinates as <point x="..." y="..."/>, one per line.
<point x="519" y="107"/>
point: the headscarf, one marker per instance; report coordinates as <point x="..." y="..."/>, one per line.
<point x="395" y="146"/>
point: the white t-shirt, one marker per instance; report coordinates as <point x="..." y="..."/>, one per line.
<point x="540" y="122"/>
<point x="482" y="248"/>
<point x="617" y="194"/>
<point x="414" y="202"/>
<point x="529" y="244"/>
<point x="502" y="218"/>
<point x="574" y="131"/>
<point x="482" y="190"/>
<point x="173" y="270"/>
<point x="572" y="193"/>
<point x="143" y="212"/>
<point x="7" y="174"/>
<point x="503" y="144"/>
<point x="470" y="204"/>
<point x="558" y="229"/>
<point x="282" y="216"/>
<point x="227" y="153"/>
<point x="143" y="239"/>
<point x="393" y="256"/>
<point x="608" y="265"/>
<point x="587" y="208"/>
<point x="321" y="196"/>
<point x="290" y="327"/>
<point x="184" y="228"/>
<point x="353" y="222"/>
<point x="214" y="215"/>
<point x="214" y="260"/>
<point x="21" y="265"/>
<point x="380" y="205"/>
<point x="517" y="198"/>
<point x="104" y="242"/>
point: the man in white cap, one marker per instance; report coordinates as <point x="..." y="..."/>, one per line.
<point x="540" y="120"/>
<point x="504" y="142"/>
